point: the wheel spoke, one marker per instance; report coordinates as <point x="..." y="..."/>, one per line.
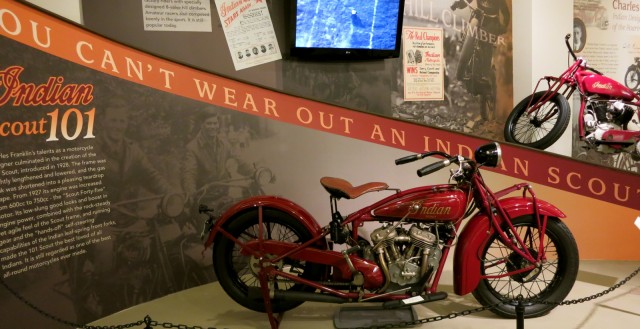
<point x="500" y="259"/>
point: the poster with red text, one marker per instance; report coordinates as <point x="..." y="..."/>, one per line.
<point x="423" y="63"/>
<point x="249" y="32"/>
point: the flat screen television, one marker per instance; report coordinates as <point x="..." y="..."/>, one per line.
<point x="346" y="29"/>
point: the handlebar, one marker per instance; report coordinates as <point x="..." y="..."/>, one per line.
<point x="431" y="168"/>
<point x="573" y="54"/>
<point x="414" y="157"/>
<point x="566" y="42"/>
<point x="426" y="170"/>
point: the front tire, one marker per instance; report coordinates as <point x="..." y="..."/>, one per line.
<point x="237" y="273"/>
<point x="540" y="128"/>
<point x="552" y="281"/>
<point x="632" y="78"/>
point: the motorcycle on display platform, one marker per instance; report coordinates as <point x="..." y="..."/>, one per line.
<point x="608" y="121"/>
<point x="270" y="255"/>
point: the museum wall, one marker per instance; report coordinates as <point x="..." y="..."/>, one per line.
<point x="110" y="199"/>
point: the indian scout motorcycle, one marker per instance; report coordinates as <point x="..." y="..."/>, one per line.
<point x="270" y="255"/>
<point x="608" y="121"/>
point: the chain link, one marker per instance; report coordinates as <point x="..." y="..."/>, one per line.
<point x="150" y="323"/>
<point x="592" y="297"/>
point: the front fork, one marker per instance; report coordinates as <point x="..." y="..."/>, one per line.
<point x="509" y="235"/>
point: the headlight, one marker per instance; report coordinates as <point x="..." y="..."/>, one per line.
<point x="173" y="204"/>
<point x="488" y="155"/>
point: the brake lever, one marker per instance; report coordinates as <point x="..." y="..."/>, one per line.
<point x="455" y="173"/>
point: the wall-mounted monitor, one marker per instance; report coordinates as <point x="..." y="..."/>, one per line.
<point x="346" y="29"/>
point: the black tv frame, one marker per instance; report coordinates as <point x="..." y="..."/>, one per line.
<point x="344" y="54"/>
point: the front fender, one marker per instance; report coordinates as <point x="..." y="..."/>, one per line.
<point x="475" y="236"/>
<point x="273" y="202"/>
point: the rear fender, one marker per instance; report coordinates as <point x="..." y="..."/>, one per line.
<point x="263" y="201"/>
<point x="475" y="236"/>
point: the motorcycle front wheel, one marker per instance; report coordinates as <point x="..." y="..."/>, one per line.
<point x="550" y="282"/>
<point x="543" y="126"/>
<point x="237" y="273"/>
<point x="632" y="78"/>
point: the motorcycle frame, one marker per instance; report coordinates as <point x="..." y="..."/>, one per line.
<point x="567" y="83"/>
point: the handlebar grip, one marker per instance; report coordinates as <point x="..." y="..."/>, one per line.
<point x="426" y="170"/>
<point x="408" y="158"/>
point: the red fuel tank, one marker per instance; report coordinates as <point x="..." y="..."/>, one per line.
<point x="442" y="203"/>
<point x="601" y="85"/>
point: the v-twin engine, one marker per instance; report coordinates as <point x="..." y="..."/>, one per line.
<point x="406" y="256"/>
<point x="602" y="118"/>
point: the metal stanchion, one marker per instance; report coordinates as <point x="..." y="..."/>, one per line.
<point x="519" y="313"/>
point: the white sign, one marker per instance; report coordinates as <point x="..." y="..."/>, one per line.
<point x="423" y="63"/>
<point x="249" y="32"/>
<point x="637" y="222"/>
<point x="177" y="15"/>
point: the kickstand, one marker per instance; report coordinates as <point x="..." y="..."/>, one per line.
<point x="264" y="287"/>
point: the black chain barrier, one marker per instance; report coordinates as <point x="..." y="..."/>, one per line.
<point x="520" y="308"/>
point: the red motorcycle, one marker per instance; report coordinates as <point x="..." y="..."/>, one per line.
<point x="270" y="255"/>
<point x="606" y="110"/>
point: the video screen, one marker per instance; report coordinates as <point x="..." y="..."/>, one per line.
<point x="350" y="24"/>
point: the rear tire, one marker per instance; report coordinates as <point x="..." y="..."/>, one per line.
<point x="540" y="128"/>
<point x="552" y="281"/>
<point x="235" y="271"/>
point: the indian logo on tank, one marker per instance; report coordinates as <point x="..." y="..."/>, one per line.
<point x="601" y="85"/>
<point x="434" y="209"/>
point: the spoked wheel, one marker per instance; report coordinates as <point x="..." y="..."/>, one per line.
<point x="550" y="281"/>
<point x="625" y="161"/>
<point x="238" y="273"/>
<point x="631" y="78"/>
<point x="543" y="126"/>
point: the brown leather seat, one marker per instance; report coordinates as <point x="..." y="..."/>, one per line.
<point x="340" y="188"/>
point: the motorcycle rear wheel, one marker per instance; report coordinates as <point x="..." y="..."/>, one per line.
<point x="234" y="270"/>
<point x="542" y="127"/>
<point x="551" y="282"/>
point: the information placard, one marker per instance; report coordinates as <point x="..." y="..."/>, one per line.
<point x="177" y="15"/>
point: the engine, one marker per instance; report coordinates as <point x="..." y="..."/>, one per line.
<point x="601" y="116"/>
<point x="406" y="256"/>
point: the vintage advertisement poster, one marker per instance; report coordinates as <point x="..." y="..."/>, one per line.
<point x="423" y="64"/>
<point x="107" y="153"/>
<point x="177" y="15"/>
<point x="249" y="32"/>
